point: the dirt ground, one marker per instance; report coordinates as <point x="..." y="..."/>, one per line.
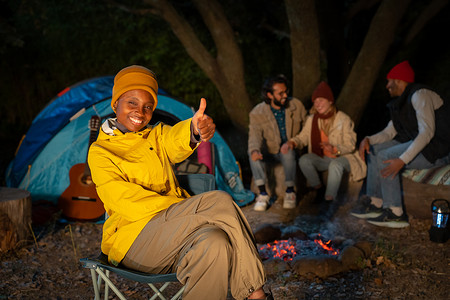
<point x="404" y="263"/>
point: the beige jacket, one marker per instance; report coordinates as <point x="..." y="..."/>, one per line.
<point x="343" y="137"/>
<point x="263" y="127"/>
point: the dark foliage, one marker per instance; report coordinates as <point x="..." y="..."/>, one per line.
<point x="48" y="45"/>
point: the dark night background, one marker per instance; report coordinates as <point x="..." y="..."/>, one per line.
<point x="48" y="45"/>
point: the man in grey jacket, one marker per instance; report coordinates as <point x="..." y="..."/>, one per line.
<point x="273" y="122"/>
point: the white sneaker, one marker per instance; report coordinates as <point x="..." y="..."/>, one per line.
<point x="290" y="201"/>
<point x="261" y="202"/>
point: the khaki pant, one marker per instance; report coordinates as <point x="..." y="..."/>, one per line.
<point x="207" y="241"/>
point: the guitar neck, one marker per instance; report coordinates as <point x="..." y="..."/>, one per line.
<point x="94" y="125"/>
<point x="92" y="136"/>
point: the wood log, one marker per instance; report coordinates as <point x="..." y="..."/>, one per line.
<point x="7" y="232"/>
<point x="417" y="197"/>
<point x="15" y="217"/>
<point x="275" y="185"/>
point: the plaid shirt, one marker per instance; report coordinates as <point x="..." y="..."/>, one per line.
<point x="280" y="116"/>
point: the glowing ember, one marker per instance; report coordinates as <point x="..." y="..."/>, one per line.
<point x="327" y="246"/>
<point x="284" y="249"/>
<point x="288" y="249"/>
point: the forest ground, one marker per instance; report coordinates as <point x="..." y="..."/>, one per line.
<point x="404" y="263"/>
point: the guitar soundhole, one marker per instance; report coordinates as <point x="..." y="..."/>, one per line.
<point x="86" y="180"/>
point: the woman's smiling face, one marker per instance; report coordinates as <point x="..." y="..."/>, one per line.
<point x="322" y="105"/>
<point x="134" y="109"/>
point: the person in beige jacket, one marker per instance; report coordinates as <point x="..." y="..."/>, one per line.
<point x="272" y="122"/>
<point x="331" y="141"/>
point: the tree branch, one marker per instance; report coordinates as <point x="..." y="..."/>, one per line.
<point x="229" y="56"/>
<point x="226" y="70"/>
<point x="185" y="33"/>
<point x="355" y="93"/>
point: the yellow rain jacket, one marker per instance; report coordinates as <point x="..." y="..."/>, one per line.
<point x="134" y="178"/>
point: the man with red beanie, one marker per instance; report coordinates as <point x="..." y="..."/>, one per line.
<point x="416" y="137"/>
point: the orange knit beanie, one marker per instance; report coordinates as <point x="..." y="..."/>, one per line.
<point x="134" y="78"/>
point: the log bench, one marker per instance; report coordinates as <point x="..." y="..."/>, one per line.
<point x="421" y="187"/>
<point x="275" y="185"/>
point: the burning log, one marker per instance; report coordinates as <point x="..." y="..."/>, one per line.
<point x="309" y="256"/>
<point x="327" y="246"/>
<point x="288" y="249"/>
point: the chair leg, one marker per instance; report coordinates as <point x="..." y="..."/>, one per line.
<point x="95" y="284"/>
<point x="109" y="283"/>
<point x="158" y="292"/>
<point x="178" y="294"/>
<point x="106" y="286"/>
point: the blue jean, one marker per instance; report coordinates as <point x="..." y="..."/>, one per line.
<point x="389" y="189"/>
<point x="287" y="160"/>
<point x="311" y="164"/>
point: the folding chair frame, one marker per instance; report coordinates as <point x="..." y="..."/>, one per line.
<point x="100" y="272"/>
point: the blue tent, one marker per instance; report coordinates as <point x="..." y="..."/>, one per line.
<point x="58" y="138"/>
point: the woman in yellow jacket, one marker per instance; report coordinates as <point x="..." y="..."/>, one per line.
<point x="331" y="141"/>
<point x="154" y="225"/>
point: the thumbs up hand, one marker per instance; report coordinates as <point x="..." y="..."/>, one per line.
<point x="203" y="125"/>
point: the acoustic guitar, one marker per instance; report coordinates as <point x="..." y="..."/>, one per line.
<point x="80" y="200"/>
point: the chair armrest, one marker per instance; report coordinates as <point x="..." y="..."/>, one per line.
<point x="197" y="183"/>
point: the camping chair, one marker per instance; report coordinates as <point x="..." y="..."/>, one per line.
<point x="100" y="268"/>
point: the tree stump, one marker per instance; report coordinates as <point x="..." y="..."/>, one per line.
<point x="15" y="217"/>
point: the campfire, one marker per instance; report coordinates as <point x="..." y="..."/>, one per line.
<point x="288" y="249"/>
<point x="293" y="250"/>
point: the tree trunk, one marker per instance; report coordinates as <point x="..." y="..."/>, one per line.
<point x="334" y="53"/>
<point x="15" y="217"/>
<point x="356" y="91"/>
<point x="305" y="45"/>
<point x="226" y="70"/>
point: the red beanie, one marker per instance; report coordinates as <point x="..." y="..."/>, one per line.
<point x="402" y="71"/>
<point x="323" y="90"/>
